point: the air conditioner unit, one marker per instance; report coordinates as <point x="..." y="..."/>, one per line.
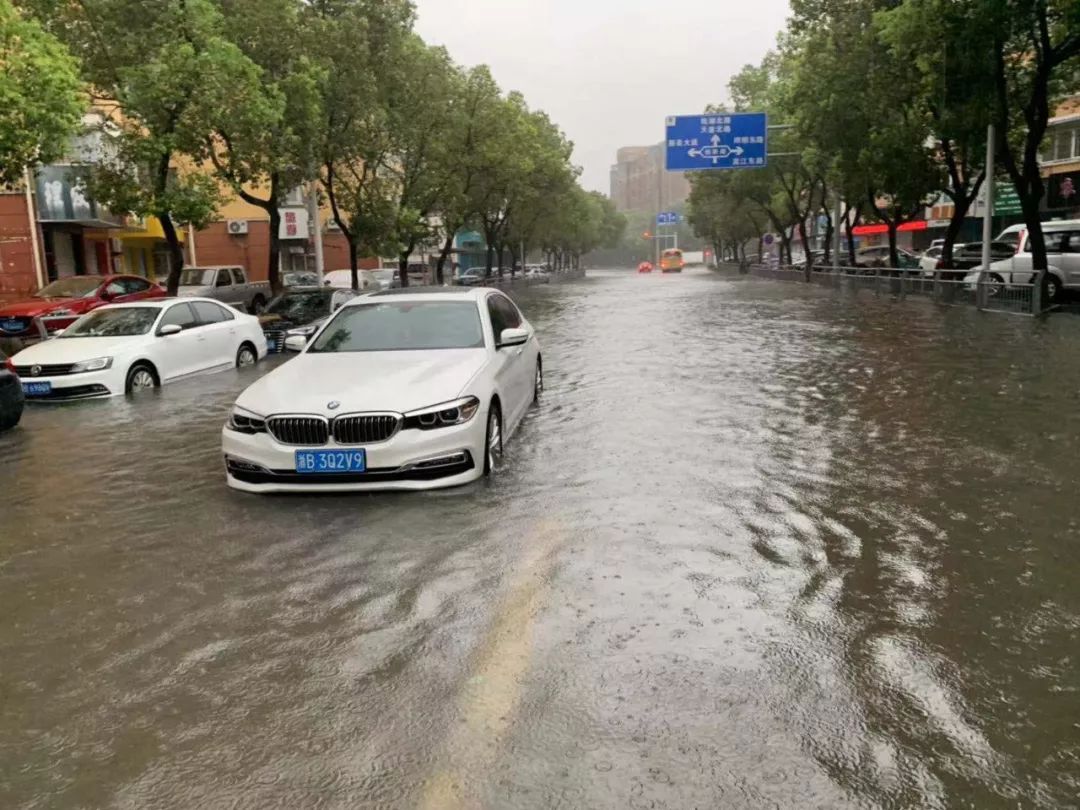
<point x="236" y="227"/>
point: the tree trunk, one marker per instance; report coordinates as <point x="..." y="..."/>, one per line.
<point x="403" y="268"/>
<point x="830" y="230"/>
<point x="851" y="231"/>
<point x="440" y="266"/>
<point x="490" y="259"/>
<point x="176" y="252"/>
<point x="955" y="224"/>
<point x="894" y="257"/>
<point x="354" y="264"/>
<point x="273" y="272"/>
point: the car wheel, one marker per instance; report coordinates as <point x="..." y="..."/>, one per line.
<point x="140" y="378"/>
<point x="538" y="382"/>
<point x="11" y="419"/>
<point x="493" y="449"/>
<point x="996" y="286"/>
<point x="258" y="305"/>
<point x="1051" y="289"/>
<point x="246" y="356"/>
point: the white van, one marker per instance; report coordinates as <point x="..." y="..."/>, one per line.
<point x="1062" y="258"/>
<point x="1013" y="234"/>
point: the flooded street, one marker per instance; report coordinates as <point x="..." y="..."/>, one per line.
<point x="757" y="547"/>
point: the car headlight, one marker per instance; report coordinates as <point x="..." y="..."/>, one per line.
<point x="245" y="421"/>
<point x="97" y="364"/>
<point x="303" y="331"/>
<point x="447" y="414"/>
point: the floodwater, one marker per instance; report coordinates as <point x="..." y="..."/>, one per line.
<point x="760" y="546"/>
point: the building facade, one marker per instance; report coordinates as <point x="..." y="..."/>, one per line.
<point x="640" y="181"/>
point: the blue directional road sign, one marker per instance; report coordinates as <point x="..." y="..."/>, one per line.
<point x="667" y="218"/>
<point x="717" y="141"/>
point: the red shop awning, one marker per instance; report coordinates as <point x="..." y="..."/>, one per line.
<point x="870" y="230"/>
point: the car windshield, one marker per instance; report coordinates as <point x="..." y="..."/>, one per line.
<point x="197" y="277"/>
<point x="301" y="307"/>
<point x="113" y="323"/>
<point x="384" y="275"/>
<point x="73" y="287"/>
<point x="403" y="326"/>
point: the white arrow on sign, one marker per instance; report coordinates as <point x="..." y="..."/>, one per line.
<point x="717" y="151"/>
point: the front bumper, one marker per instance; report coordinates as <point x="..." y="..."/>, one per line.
<point x="66" y="387"/>
<point x="411" y="460"/>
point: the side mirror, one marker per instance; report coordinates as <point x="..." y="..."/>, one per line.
<point x="170" y="329"/>
<point x="513" y="337"/>
<point x="106" y="296"/>
<point x="295" y="343"/>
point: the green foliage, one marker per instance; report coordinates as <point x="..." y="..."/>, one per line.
<point x="41" y="99"/>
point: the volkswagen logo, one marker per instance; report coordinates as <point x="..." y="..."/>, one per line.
<point x="333" y="405"/>
<point x="35" y="370"/>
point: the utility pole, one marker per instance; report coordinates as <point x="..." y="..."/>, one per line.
<point x="988" y="218"/>
<point x="316" y="229"/>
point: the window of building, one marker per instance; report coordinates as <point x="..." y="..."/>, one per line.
<point x="1062" y="143"/>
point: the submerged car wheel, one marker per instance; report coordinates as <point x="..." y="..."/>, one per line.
<point x="538" y="384"/>
<point x="1052" y="289"/>
<point x="494" y="450"/>
<point x="246" y="356"/>
<point x="140" y="378"/>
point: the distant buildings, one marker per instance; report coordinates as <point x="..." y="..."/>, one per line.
<point x="639" y="181"/>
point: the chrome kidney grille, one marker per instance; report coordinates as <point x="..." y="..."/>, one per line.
<point x="315" y="431"/>
<point x="302" y="431"/>
<point x="365" y="428"/>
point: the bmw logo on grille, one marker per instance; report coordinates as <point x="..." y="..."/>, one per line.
<point x="333" y="405"/>
<point x="35" y="370"/>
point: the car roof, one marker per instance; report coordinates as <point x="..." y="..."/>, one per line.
<point x="426" y="294"/>
<point x="1060" y="225"/>
<point x="158" y="303"/>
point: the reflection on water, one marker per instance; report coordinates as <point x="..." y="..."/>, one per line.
<point x="757" y="547"/>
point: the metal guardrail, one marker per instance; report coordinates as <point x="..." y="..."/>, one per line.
<point x="987" y="294"/>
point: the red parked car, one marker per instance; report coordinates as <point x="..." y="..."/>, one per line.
<point x="59" y="304"/>
<point x="645" y="267"/>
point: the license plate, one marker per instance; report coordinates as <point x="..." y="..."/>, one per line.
<point x="331" y="461"/>
<point x="11" y="326"/>
<point x="37" y="389"/>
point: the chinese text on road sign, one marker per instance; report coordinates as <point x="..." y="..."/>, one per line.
<point x="667" y="218"/>
<point x="717" y="141"/>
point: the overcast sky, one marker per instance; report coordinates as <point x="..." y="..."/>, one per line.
<point x="607" y="71"/>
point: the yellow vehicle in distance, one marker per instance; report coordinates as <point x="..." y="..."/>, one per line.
<point x="671" y="261"/>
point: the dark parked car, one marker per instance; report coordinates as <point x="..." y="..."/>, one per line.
<point x="11" y="394"/>
<point x="299" y="309"/>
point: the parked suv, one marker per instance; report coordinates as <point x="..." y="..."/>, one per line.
<point x="1062" y="257"/>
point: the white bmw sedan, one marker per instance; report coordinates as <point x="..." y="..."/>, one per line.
<point x="130" y="348"/>
<point x="401" y="389"/>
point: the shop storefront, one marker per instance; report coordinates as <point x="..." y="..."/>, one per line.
<point x="77" y="234"/>
<point x="143" y="250"/>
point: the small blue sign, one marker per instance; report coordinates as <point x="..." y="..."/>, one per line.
<point x="717" y="141"/>
<point x="667" y="218"/>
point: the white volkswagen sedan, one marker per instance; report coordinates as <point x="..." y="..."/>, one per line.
<point x="401" y="389"/>
<point x="130" y="348"/>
